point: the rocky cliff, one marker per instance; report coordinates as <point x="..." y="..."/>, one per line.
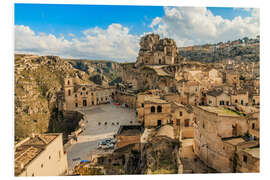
<point x="249" y="53"/>
<point x="38" y="89"/>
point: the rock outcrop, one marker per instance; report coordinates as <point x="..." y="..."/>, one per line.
<point x="154" y="50"/>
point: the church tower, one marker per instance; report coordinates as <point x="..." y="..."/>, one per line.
<point x="69" y="92"/>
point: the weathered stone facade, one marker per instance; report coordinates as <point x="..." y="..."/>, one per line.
<point x="83" y="96"/>
<point x="212" y="125"/>
<point x="182" y="119"/>
<point x="153" y="111"/>
<point x="154" y="50"/>
<point x="248" y="160"/>
<point x="41" y="155"/>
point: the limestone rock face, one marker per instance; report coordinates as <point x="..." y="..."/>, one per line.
<point x="159" y="157"/>
<point x="154" y="50"/>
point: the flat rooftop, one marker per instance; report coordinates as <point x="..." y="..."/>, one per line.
<point x="30" y="148"/>
<point x="234" y="141"/>
<point x="220" y="111"/>
<point x="130" y="130"/>
<point x="254" y="151"/>
<point x="149" y="99"/>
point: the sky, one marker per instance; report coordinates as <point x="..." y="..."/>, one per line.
<point x="109" y="32"/>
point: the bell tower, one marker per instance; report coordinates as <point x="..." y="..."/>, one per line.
<point x="68" y="86"/>
<point x="69" y="92"/>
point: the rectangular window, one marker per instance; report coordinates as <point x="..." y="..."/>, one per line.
<point x="253" y="125"/>
<point x="181" y="113"/>
<point x="221" y="102"/>
<point x="142" y="105"/>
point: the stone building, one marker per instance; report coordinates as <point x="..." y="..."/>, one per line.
<point x="125" y="94"/>
<point x="154" y="50"/>
<point x="217" y="97"/>
<point x="41" y="155"/>
<point x="140" y="99"/>
<point x="239" y="97"/>
<point x="83" y="96"/>
<point x="256" y="99"/>
<point x="154" y="112"/>
<point x="214" y="129"/>
<point x="254" y="125"/>
<point x="182" y="120"/>
<point x="248" y="160"/>
<point x="223" y="97"/>
<point x="190" y="92"/>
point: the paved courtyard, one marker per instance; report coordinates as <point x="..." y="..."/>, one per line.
<point x="101" y="121"/>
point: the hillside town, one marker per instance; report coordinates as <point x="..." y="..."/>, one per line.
<point x="166" y="113"/>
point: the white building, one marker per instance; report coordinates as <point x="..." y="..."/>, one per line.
<point x="41" y="155"/>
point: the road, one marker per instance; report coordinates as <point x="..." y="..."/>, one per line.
<point x="102" y="121"/>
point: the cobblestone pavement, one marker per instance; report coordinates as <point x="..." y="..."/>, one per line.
<point x="101" y="121"/>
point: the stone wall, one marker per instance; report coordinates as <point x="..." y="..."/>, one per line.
<point x="125" y="98"/>
<point x="151" y="118"/>
<point x="251" y="164"/>
<point x="208" y="145"/>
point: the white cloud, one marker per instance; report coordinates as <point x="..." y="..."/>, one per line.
<point x="71" y="34"/>
<point x="195" y="25"/>
<point x="113" y="43"/>
<point x="186" y="25"/>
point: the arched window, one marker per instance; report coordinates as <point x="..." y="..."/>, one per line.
<point x="159" y="109"/>
<point x="153" y="109"/>
<point x="68" y="82"/>
<point x="242" y="102"/>
<point x="69" y="92"/>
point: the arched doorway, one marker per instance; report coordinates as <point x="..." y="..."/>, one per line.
<point x="159" y="123"/>
<point x="84" y="103"/>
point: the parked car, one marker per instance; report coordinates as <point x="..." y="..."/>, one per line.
<point x="101" y="144"/>
<point x="110" y="140"/>
<point x="106" y="146"/>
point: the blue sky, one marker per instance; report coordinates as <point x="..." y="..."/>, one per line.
<point x="69" y="22"/>
<point x="64" y="19"/>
